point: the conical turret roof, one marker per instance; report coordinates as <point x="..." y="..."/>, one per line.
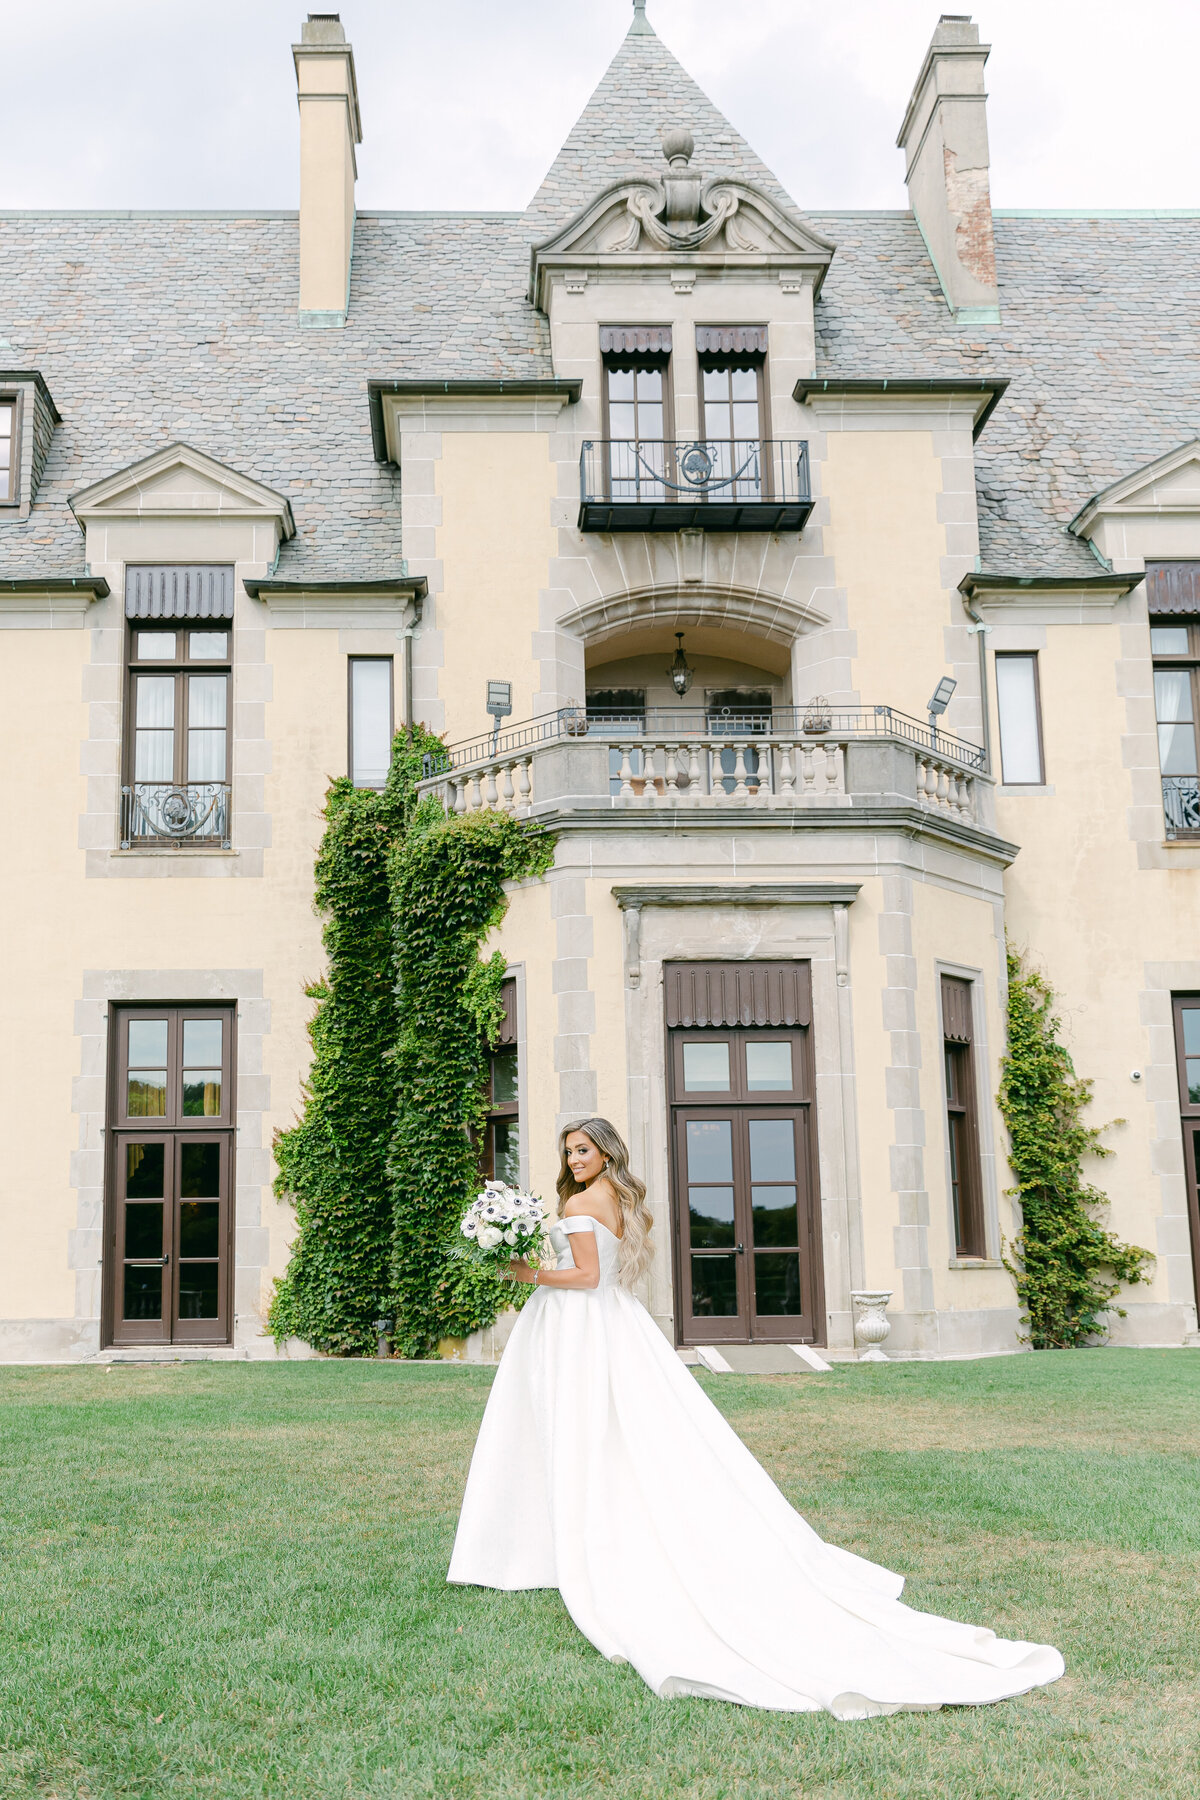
<point x="618" y="133"/>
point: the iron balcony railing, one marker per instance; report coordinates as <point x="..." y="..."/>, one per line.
<point x="157" y="812"/>
<point x="656" y="484"/>
<point x="1181" y="805"/>
<point x="681" y="722"/>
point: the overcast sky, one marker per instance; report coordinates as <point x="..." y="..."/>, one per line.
<point x="170" y="103"/>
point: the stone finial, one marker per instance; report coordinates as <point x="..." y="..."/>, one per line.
<point x="678" y="146"/>
<point x="641" y="26"/>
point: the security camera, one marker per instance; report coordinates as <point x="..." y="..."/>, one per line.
<point x="1135" y="1074"/>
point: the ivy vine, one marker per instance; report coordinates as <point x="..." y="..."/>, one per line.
<point x="381" y="1162"/>
<point x="1067" y="1267"/>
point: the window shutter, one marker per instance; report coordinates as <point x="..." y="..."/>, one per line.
<point x="738" y="994"/>
<point x="179" y="591"/>
<point x="956" y="1010"/>
<point x="507" y="1033"/>
<point x="1173" y="587"/>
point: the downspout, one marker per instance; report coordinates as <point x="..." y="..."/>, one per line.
<point x="980" y="630"/>
<point x="407" y="635"/>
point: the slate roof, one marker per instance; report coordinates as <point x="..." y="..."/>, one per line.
<point x="151" y="328"/>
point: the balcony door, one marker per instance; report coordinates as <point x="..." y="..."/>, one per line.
<point x="169" y="1219"/>
<point x="743" y="1151"/>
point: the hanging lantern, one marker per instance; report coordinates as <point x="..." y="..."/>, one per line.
<point x="680" y="671"/>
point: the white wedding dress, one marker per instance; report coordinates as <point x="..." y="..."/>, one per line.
<point x="602" y="1469"/>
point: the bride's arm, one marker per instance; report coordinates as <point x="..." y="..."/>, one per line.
<point x="585" y="1274"/>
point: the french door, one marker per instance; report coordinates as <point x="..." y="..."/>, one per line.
<point x="746" y="1217"/>
<point x="169" y="1224"/>
<point x="1187" y="1054"/>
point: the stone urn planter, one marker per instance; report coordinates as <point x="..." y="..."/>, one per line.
<point x="871" y="1323"/>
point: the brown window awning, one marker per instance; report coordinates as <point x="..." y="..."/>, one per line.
<point x="179" y="591"/>
<point x="733" y="994"/>
<point x="731" y="340"/>
<point x="1173" y="587"/>
<point x="956" y="1010"/>
<point x="635" y="340"/>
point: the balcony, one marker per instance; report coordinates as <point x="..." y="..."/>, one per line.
<point x="158" y="812"/>
<point x="1181" y="805"/>
<point x="649" y="484"/>
<point x="677" y="762"/>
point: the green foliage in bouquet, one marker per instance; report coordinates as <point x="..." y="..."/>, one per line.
<point x="397" y="1079"/>
<point x="332" y="1162"/>
<point x="1068" y="1268"/>
<point x="448" y="875"/>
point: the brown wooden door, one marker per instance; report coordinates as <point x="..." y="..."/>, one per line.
<point x="744" y="1178"/>
<point x="1187" y="1052"/>
<point x="169" y="1231"/>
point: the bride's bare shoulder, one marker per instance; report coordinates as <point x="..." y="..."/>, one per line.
<point x="599" y="1201"/>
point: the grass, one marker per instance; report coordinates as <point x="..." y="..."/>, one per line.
<point x="226" y="1582"/>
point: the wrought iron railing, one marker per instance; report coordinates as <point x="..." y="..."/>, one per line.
<point x="651" y="471"/>
<point x="814" y="721"/>
<point x="157" y="812"/>
<point x="1181" y="805"/>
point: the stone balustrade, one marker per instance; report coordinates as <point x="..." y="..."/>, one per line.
<point x="767" y="772"/>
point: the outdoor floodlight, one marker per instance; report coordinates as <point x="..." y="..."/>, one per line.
<point x="499" y="699"/>
<point x="941" y="695"/>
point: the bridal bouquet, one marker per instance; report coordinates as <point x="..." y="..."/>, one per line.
<point x="500" y="1225"/>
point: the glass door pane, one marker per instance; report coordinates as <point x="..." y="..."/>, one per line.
<point x="714" y="1299"/>
<point x="199" y="1229"/>
<point x="142" y="1241"/>
<point x="775" y="1215"/>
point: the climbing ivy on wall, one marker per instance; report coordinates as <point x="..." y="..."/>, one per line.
<point x="1067" y="1267"/>
<point x="448" y="876"/>
<point x="380" y="1163"/>
<point x="332" y="1162"/>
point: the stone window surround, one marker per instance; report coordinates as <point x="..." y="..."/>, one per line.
<point x="80" y="1337"/>
<point x="658" y="930"/>
<point x="984" y="1101"/>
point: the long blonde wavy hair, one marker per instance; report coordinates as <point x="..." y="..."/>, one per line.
<point x="637" y="1251"/>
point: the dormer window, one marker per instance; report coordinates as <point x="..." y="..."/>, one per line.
<point x="637" y="406"/>
<point x="732" y="363"/>
<point x="8" y="451"/>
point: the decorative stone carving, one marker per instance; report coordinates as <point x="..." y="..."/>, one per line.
<point x="871" y="1323"/>
<point x="658" y="218"/>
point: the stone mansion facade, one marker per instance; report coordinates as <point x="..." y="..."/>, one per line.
<point x="828" y="582"/>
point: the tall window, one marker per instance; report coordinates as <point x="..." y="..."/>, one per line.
<point x="501" y="1157"/>
<point x="637" y="410"/>
<point x="8" y="450"/>
<point x="177" y="747"/>
<point x="371" y="721"/>
<point x="1175" y="647"/>
<point x="733" y="414"/>
<point x="962" y="1119"/>
<point x="1018" y="707"/>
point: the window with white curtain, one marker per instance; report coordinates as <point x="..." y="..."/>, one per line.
<point x="177" y="757"/>
<point x="371" y="720"/>
<point x="1018" y="706"/>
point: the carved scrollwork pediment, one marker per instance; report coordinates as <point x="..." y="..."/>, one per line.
<point x="682" y="214"/>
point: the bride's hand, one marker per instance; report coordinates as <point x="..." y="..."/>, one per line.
<point x="520" y="1270"/>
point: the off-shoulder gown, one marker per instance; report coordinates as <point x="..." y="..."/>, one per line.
<point x="603" y="1469"/>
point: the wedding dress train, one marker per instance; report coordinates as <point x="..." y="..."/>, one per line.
<point x="603" y="1469"/>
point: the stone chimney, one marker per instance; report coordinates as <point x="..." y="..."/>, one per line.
<point x="330" y="127"/>
<point x="945" y="145"/>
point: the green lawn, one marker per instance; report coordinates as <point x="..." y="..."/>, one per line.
<point x="228" y="1581"/>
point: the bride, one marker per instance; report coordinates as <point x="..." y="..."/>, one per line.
<point x="602" y="1469"/>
